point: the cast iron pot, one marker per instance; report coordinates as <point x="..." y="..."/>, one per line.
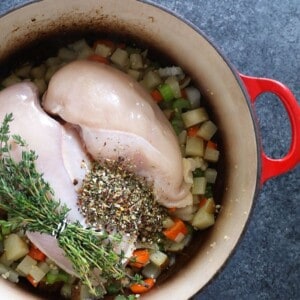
<point x="230" y="96"/>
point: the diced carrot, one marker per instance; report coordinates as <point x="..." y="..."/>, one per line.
<point x="36" y="253"/>
<point x="105" y="42"/>
<point x="32" y="281"/>
<point x="98" y="58"/>
<point x="202" y="202"/>
<point x="156" y="96"/>
<point x="192" y="131"/>
<point x="179" y="227"/>
<point x="211" y="144"/>
<point x="172" y="209"/>
<point x="140" y="288"/>
<point x="140" y="258"/>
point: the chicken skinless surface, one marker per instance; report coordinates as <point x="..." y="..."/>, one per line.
<point x="116" y="118"/>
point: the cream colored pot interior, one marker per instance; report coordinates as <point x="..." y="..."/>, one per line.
<point x="219" y="86"/>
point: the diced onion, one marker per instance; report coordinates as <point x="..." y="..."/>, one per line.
<point x="194" y="96"/>
<point x="170" y="71"/>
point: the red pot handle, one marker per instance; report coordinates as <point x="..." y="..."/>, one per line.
<point x="273" y="167"/>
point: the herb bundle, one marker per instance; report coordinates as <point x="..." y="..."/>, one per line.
<point x="31" y="206"/>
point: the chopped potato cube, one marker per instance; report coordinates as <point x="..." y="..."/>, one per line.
<point x="15" y="247"/>
<point x="194" y="117"/>
<point x="25" y="265"/>
<point x="211" y="154"/>
<point x="194" y="146"/>
<point x="159" y="259"/>
<point x="207" y="130"/>
<point x="37" y="273"/>
<point x="120" y="58"/>
<point x="203" y="219"/>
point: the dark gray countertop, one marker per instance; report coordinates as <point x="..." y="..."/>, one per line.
<point x="261" y="38"/>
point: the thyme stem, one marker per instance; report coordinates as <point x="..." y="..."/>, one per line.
<point x="30" y="204"/>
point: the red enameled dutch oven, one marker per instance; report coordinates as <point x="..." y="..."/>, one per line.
<point x="230" y="97"/>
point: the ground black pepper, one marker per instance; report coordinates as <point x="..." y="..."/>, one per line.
<point x="113" y="198"/>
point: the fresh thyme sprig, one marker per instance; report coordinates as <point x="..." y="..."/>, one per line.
<point x="31" y="205"/>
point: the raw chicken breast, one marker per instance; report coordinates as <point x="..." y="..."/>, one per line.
<point x="53" y="144"/>
<point x="76" y="160"/>
<point x="117" y="118"/>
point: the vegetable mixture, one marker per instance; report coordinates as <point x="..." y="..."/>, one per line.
<point x="156" y="250"/>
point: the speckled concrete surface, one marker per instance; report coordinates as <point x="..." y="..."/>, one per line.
<point x="261" y="38"/>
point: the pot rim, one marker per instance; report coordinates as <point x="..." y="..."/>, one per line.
<point x="250" y="109"/>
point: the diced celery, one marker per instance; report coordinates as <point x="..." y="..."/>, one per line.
<point x="208" y="191"/>
<point x="181" y="104"/>
<point x="199" y="186"/>
<point x="6" y="228"/>
<point x="177" y="125"/>
<point x="52" y="278"/>
<point x="166" y="92"/>
<point x="174" y="85"/>
<point x="198" y="173"/>
<point x="194" y="117"/>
